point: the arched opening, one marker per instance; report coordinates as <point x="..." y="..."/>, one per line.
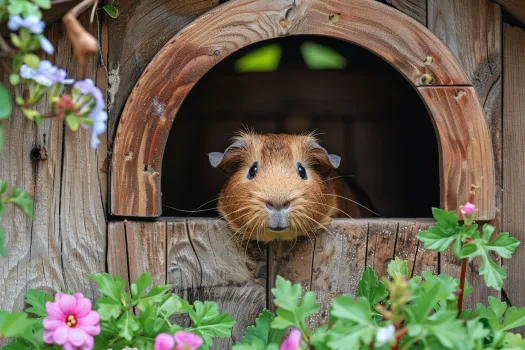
<point x="364" y="110"/>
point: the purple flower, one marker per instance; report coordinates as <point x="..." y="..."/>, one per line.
<point x="33" y="23"/>
<point x="46" y="74"/>
<point x="98" y="114"/>
<point x="293" y="342"/>
<point x="46" y="45"/>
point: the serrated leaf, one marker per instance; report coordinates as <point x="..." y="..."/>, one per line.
<point x="446" y="328"/>
<point x="369" y="287"/>
<point x="426" y="301"/>
<point x="140" y="285"/>
<point x="155" y="295"/>
<point x="108" y="308"/>
<point x="292" y="309"/>
<point x="112" y="11"/>
<point x="513" y="342"/>
<point x="347" y="308"/>
<point x="514" y="318"/>
<point x="499" y="307"/>
<point x="22" y="200"/>
<point x="436" y="239"/>
<point x="111" y="287"/>
<point x="173" y="304"/>
<point x="361" y="329"/>
<point x="446" y="220"/>
<point x="37" y="300"/>
<point x="344" y="336"/>
<point x="127" y="325"/>
<point x="208" y="323"/>
<point x="6" y="106"/>
<point x="263" y="331"/>
<point x="398" y="267"/>
<point x="504" y="245"/>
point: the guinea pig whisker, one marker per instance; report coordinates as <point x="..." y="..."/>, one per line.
<point x="222" y="217"/>
<point x="303" y="229"/>
<point x="189" y="211"/>
<point x="318" y="223"/>
<point x="336" y="177"/>
<point x="238" y="231"/>
<point x="348" y="199"/>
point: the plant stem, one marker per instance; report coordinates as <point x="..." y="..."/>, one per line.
<point x="462" y="285"/>
<point x="398" y="339"/>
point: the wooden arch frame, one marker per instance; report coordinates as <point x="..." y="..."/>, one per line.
<point x="465" y="149"/>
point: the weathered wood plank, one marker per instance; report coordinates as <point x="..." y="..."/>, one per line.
<point x="466" y="152"/>
<point x="136" y="36"/>
<point x="339" y="261"/>
<point x="381" y="245"/>
<point x="117" y="257"/>
<point x="513" y="219"/>
<point x="205" y="262"/>
<point x="146" y="247"/>
<point x="66" y="241"/>
<point x="417" y="9"/>
<point x="516" y="8"/>
<point x="407" y="246"/>
<point x="153" y="104"/>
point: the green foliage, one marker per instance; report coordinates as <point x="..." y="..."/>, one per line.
<point x="112" y="11"/>
<point x="317" y="56"/>
<point x="467" y="242"/>
<point x="261" y="335"/>
<point x="36" y="299"/>
<point x="263" y="59"/>
<point x="398" y="267"/>
<point x="369" y="287"/>
<point x="209" y="323"/>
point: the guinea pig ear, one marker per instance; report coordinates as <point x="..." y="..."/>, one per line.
<point x="216" y="158"/>
<point x="334" y="159"/>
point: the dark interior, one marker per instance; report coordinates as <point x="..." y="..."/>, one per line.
<point x="365" y="112"/>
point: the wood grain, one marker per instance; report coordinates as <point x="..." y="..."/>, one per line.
<point x="465" y="148"/>
<point x="406" y="246"/>
<point x="155" y="100"/>
<point x="472" y="31"/>
<point x="194" y="7"/>
<point x="513" y="219"/>
<point x="67" y="239"/>
<point x="205" y="262"/>
<point x="117" y="258"/>
<point x="417" y="9"/>
<point x="381" y="245"/>
<point x="516" y="8"/>
<point x="146" y="247"/>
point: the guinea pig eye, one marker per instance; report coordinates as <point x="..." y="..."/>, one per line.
<point x="301" y="171"/>
<point x="253" y="170"/>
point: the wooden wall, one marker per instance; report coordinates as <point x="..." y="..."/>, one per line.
<point x="70" y="237"/>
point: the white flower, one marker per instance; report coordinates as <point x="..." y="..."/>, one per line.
<point x="386" y="334"/>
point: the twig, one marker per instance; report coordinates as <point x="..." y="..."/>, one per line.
<point x="5" y="49"/>
<point x="81" y="7"/>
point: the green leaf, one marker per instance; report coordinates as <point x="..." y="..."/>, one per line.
<point x="345" y="336"/>
<point x="22" y="200"/>
<point x="111" y="11"/>
<point x="499" y="307"/>
<point x="32" y="114"/>
<point x="347" y="308"/>
<point x="398" y="267"/>
<point x="446" y="328"/>
<point x="3" y="187"/>
<point x="140" y="285"/>
<point x="426" y="300"/>
<point x="72" y="122"/>
<point x="318" y="56"/>
<point x="6" y="106"/>
<point x="257" y="344"/>
<point x="45" y="4"/>
<point x="263" y="331"/>
<point x="31" y="60"/>
<point x="13" y="325"/>
<point x="436" y="239"/>
<point x="155" y="295"/>
<point x="16" y="7"/>
<point x="292" y="309"/>
<point x="111" y="287"/>
<point x="128" y="325"/>
<point x="514" y="318"/>
<point x="108" y="308"/>
<point x="37" y="300"/>
<point x="513" y="342"/>
<point x="369" y="287"/>
<point x="361" y="329"/>
<point x="208" y="323"/>
<point x="263" y="59"/>
<point x="446" y="220"/>
<point x="504" y="245"/>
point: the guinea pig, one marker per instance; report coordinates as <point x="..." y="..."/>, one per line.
<point x="282" y="186"/>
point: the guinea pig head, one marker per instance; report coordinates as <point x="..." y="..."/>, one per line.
<point x="277" y="187"/>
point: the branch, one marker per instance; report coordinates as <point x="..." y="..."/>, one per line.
<point x="5" y="49"/>
<point x="83" y="42"/>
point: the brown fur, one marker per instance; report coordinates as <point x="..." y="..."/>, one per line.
<point x="242" y="202"/>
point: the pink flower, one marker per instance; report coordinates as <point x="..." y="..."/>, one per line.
<point x="468" y="208"/>
<point x="179" y="341"/>
<point x="70" y="322"/>
<point x="292" y="342"/>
